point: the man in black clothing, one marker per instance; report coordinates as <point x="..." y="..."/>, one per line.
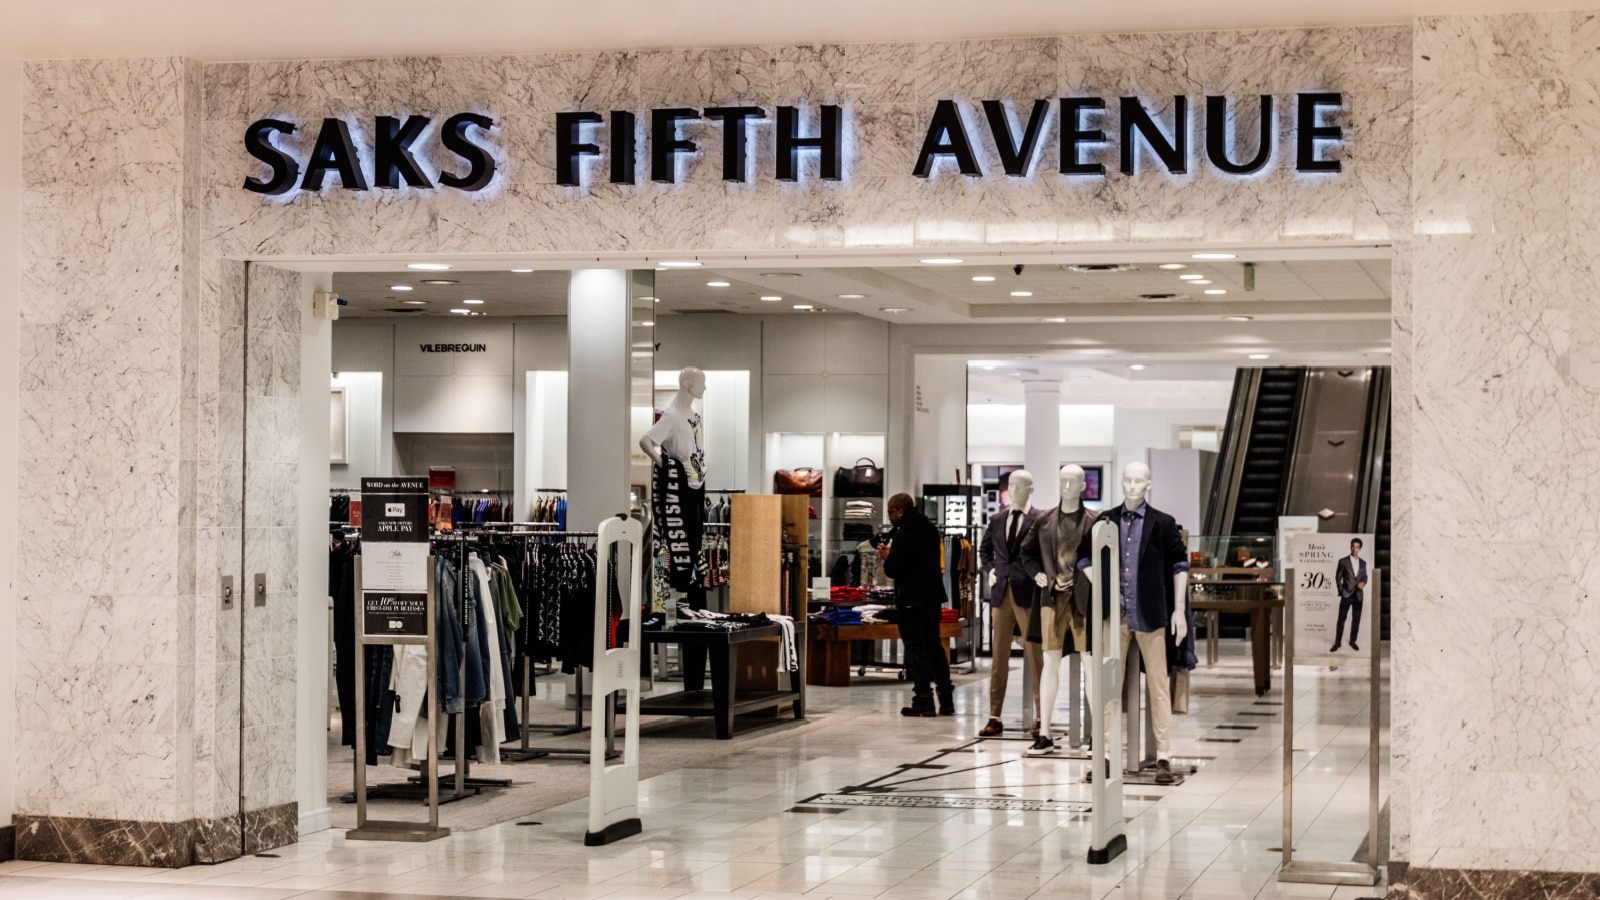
<point x="911" y="558"/>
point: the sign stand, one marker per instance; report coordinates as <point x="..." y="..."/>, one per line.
<point x="1307" y="871"/>
<point x="614" y="788"/>
<point x="395" y="597"/>
<point x="1107" y="839"/>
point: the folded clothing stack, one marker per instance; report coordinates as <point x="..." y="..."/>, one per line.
<point x="843" y="617"/>
<point x="845" y="594"/>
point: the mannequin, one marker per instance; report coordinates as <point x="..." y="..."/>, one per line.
<point x="675" y="444"/>
<point x="1011" y="591"/>
<point x="1051" y="555"/>
<point x="1152" y="552"/>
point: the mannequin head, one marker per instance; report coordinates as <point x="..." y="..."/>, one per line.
<point x="692" y="381"/>
<point x="1021" y="488"/>
<point x="1073" y="482"/>
<point x="1135" y="484"/>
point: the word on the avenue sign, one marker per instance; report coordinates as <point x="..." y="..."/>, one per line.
<point x="668" y="143"/>
<point x="391" y="155"/>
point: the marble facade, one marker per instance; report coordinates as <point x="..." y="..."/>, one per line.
<point x="161" y="374"/>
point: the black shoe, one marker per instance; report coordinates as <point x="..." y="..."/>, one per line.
<point x="1335" y="648"/>
<point x="1042" y="746"/>
<point x="947" y="701"/>
<point x="1353" y="645"/>
<point x="1164" y="772"/>
<point x="921" y="707"/>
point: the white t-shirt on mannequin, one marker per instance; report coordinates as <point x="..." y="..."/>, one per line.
<point x="682" y="438"/>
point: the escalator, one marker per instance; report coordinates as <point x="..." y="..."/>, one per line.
<point x="1306" y="441"/>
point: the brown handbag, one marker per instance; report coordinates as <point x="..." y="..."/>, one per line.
<point x="798" y="481"/>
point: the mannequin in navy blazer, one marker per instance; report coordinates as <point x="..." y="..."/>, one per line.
<point x="1005" y="562"/>
<point x="1011" y="594"/>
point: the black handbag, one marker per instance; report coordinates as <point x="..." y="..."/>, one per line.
<point x="864" y="479"/>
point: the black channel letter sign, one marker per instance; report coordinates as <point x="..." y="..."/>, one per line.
<point x="391" y="161"/>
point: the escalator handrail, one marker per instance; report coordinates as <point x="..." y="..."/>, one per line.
<point x="1236" y="444"/>
<point x="1376" y="449"/>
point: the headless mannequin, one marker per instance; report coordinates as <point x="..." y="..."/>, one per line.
<point x="691" y="387"/>
<point x="1135" y="489"/>
<point x="1072" y="484"/>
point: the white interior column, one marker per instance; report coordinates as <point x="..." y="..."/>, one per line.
<point x="1041" y="427"/>
<point x="598" y="432"/>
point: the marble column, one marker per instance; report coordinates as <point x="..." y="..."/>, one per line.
<point x="1497" y="360"/>
<point x="10" y="297"/>
<point x="131" y="430"/>
<point x="1041" y="426"/>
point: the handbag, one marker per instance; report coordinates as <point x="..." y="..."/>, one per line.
<point x="797" y="481"/>
<point x="864" y="479"/>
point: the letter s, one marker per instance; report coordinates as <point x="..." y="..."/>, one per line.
<point x="285" y="170"/>
<point x="454" y="135"/>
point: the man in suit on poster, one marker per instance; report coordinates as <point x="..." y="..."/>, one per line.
<point x="1351" y="581"/>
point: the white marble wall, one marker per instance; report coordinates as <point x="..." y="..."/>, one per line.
<point x="889" y="91"/>
<point x="1496" y="712"/>
<point x="105" y="663"/>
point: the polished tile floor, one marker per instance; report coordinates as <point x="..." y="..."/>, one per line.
<point x="738" y="826"/>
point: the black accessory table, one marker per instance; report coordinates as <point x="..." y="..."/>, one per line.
<point x="720" y="702"/>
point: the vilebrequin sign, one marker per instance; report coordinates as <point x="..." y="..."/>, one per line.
<point x="1232" y="137"/>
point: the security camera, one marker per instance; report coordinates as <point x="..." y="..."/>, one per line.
<point x="1017" y="269"/>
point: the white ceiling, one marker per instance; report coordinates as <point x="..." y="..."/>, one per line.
<point x="928" y="295"/>
<point x="290" y="29"/>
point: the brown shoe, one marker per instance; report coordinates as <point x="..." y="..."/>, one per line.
<point x="1164" y="772"/>
<point x="995" y="728"/>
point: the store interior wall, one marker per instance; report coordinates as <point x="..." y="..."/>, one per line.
<point x="10" y="295"/>
<point x="939" y="420"/>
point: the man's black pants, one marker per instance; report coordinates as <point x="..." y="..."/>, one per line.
<point x="1349" y="604"/>
<point x="926" y="660"/>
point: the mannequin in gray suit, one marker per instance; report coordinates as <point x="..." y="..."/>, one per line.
<point x="1351" y="581"/>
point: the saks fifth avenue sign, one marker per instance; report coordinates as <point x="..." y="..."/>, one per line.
<point x="1231" y="137"/>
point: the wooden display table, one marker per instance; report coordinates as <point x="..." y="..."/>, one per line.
<point x="722" y="702"/>
<point x="1258" y="601"/>
<point x="828" y="647"/>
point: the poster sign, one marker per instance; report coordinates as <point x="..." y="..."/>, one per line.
<point x="391" y="614"/>
<point x="394" y="558"/>
<point x="1331" y="576"/>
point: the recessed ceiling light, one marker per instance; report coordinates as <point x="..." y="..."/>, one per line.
<point x="1137" y="367"/>
<point x="647" y="324"/>
<point x="771" y="299"/>
<point x="1022" y="293"/>
<point x="1201" y="281"/>
<point x="428" y="267"/>
<point x="1058" y="320"/>
<point x="461" y="312"/>
<point x="804" y="306"/>
<point x="472" y="302"/>
<point x="1238" y="318"/>
<point x="401" y="287"/>
<point x="1214" y="256"/>
<point x="894" y="309"/>
<point x="942" y="261"/>
<point x="440" y="281"/>
<point x="851" y="296"/>
<point x="980" y="277"/>
<point x="1215" y="291"/>
<point x="679" y="264"/>
<point x="522" y="271"/>
<point x="780" y="274"/>
<point x="1172" y="266"/>
<point x="415" y="302"/>
<point x="716" y="284"/>
<point x="1192" y="276"/>
<point x="1260" y="356"/>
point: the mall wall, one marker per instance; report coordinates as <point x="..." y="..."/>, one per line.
<point x="1498" y="377"/>
<point x="10" y="297"/>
